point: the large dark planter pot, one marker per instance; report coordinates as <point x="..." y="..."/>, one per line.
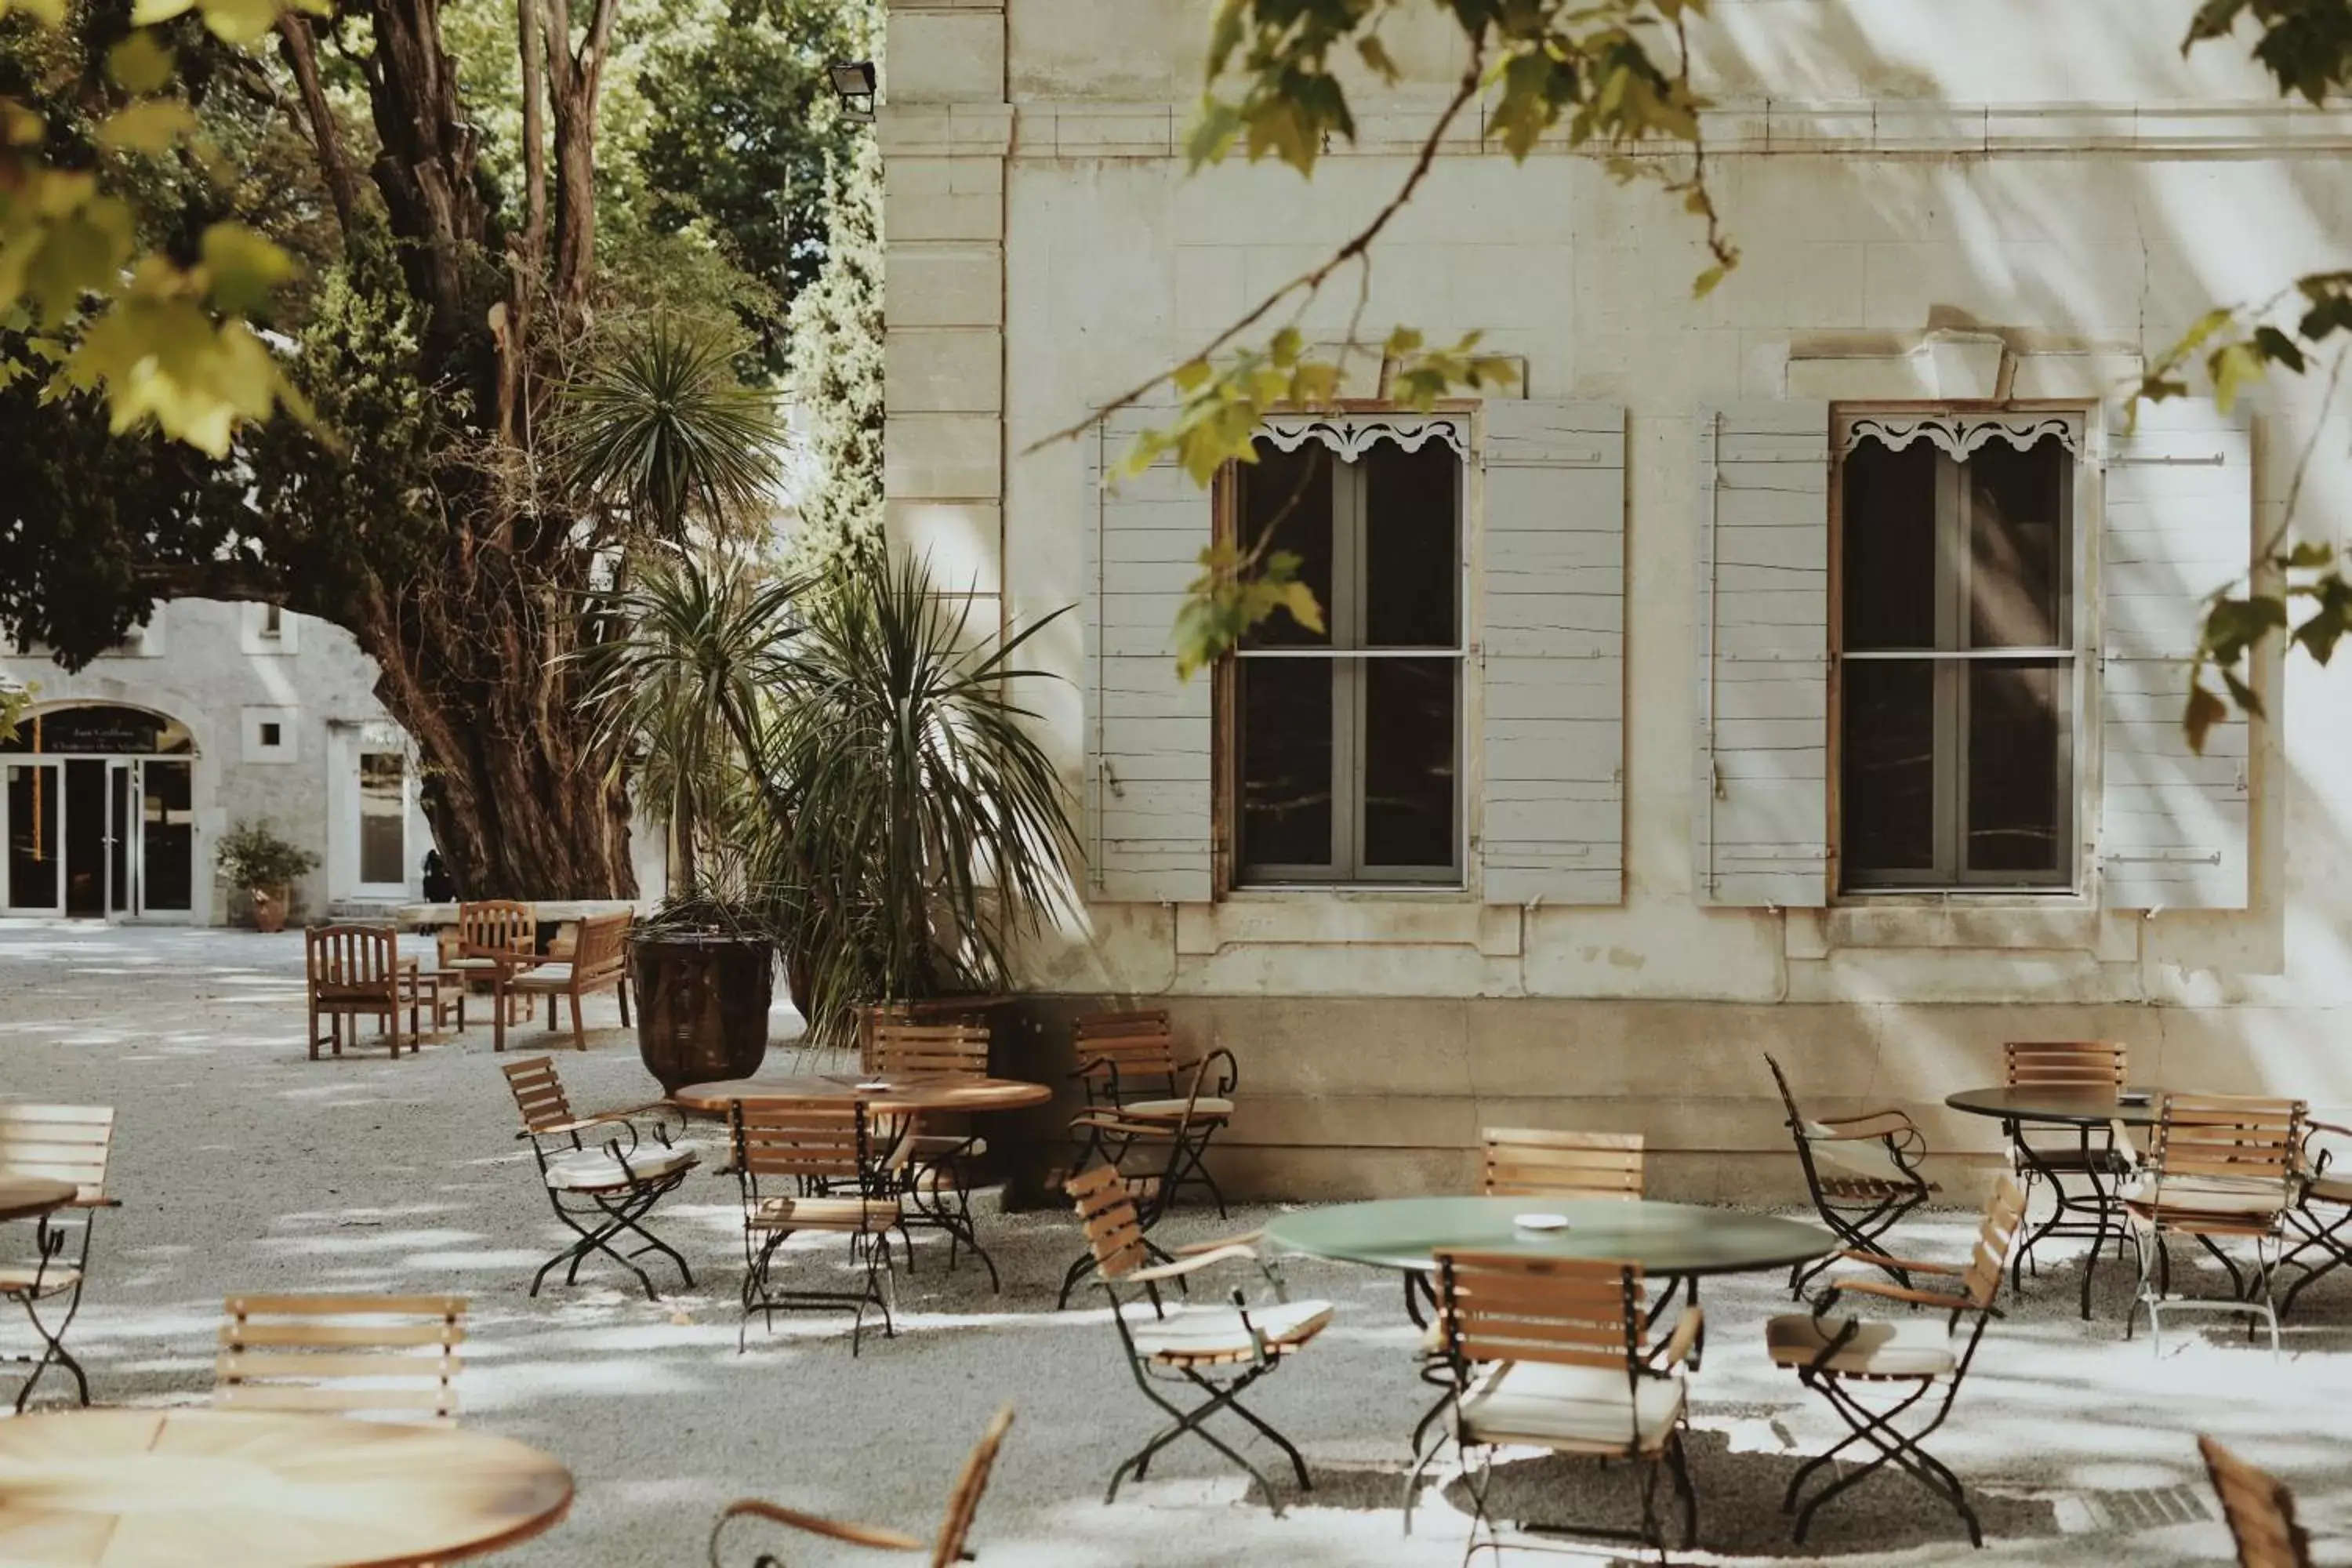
<point x="702" y="1006"/>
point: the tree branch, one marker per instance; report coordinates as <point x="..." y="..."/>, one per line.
<point x="531" y="42"/>
<point x="301" y="52"/>
<point x="1314" y="276"/>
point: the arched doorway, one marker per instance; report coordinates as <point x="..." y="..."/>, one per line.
<point x="96" y="809"/>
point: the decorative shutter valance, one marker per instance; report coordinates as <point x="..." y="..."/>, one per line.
<point x="1759" y="795"/>
<point x="1552" y="653"/>
<point x="2179" y="525"/>
<point x="1958" y="434"/>
<point x="1349" y="435"/>
<point x="1148" y="809"/>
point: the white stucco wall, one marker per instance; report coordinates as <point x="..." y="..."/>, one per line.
<point x="2056" y="175"/>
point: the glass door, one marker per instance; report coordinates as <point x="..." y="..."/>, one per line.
<point x="167" y="839"/>
<point x="122" y="878"/>
<point x="32" y="816"/>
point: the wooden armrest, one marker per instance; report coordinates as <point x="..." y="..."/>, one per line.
<point x="581" y="1124"/>
<point x="1248" y="1239"/>
<point x="1909" y="1265"/>
<point x="1687" y="1328"/>
<point x="855" y="1534"/>
<point x="1191" y="1264"/>
<point x="1904" y="1293"/>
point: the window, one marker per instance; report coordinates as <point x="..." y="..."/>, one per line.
<point x="273" y="734"/>
<point x="273" y="622"/>
<point x="1957" y="650"/>
<point x="1346" y="741"/>
<point x="383" y="818"/>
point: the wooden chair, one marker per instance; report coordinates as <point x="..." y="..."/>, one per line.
<point x="605" y="1192"/>
<point x="493" y="936"/>
<point x="1219" y="1351"/>
<point x="964" y="1505"/>
<point x="1550" y="1353"/>
<point x="600" y="962"/>
<point x="2095" y="1158"/>
<point x="2224" y="1167"/>
<point x="2260" y="1508"/>
<point x="1123" y="1141"/>
<point x="341" y="1355"/>
<point x="2322" y="1208"/>
<point x="809" y="1165"/>
<point x="1528" y="1163"/>
<point x="934" y="1166"/>
<point x="1127" y="1067"/>
<point x="57" y="1143"/>
<point x="1908" y="1361"/>
<point x="356" y="972"/>
<point x="1862" y="1172"/>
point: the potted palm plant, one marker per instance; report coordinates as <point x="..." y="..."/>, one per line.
<point x="257" y="862"/>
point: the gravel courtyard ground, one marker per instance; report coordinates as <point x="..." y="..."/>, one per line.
<point x="241" y="1165"/>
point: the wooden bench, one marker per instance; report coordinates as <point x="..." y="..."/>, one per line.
<point x="599" y="962"/>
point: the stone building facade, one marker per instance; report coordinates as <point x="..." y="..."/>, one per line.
<point x="1796" y="669"/>
<point x="115" y="792"/>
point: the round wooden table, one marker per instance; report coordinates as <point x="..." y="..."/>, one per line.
<point x="237" y="1488"/>
<point x="30" y="1197"/>
<point x="903" y="1095"/>
<point x="1682" y="1241"/>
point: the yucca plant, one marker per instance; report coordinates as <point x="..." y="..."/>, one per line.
<point x="927" y="827"/>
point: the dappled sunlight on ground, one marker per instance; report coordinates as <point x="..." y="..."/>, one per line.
<point x="244" y="1166"/>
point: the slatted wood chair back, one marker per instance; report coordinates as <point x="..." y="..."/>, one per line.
<point x="1497" y="1306"/>
<point x="2004" y="1217"/>
<point x="1114" y="1228"/>
<point x="804" y="1141"/>
<point x="964" y="1503"/>
<point x="907" y="1048"/>
<point x="351" y="963"/>
<point x="601" y="946"/>
<point x="2240" y="1138"/>
<point x="1140" y="1044"/>
<point x="2066" y="1064"/>
<point x="342" y="1354"/>
<point x="1528" y="1163"/>
<point x="537" y="1092"/>
<point x="495" y="928"/>
<point x="59" y="1143"/>
<point x="2260" y="1508"/>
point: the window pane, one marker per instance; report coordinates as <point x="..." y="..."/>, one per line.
<point x="1408" y="772"/>
<point x="169" y="830"/>
<point x="1410" y="592"/>
<point x="2016" y="719"/>
<point x="1888" y="782"/>
<point x="33" y="836"/>
<point x="2017" y="551"/>
<point x="1290" y="494"/>
<point x="1285" y="760"/>
<point x="1889" y="524"/>
<point x="383" y="819"/>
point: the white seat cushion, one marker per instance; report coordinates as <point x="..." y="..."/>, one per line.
<point x="1215" y="1332"/>
<point x="595" y="1171"/>
<point x="1204" y="1106"/>
<point x="19" y="1278"/>
<point x="2209" y="1194"/>
<point x="546" y="977"/>
<point x="482" y="963"/>
<point x="824" y="1213"/>
<point x="1572" y="1407"/>
<point x="1913" y="1347"/>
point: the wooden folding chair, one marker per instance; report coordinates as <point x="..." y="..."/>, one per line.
<point x="341" y="1355"/>
<point x="1219" y="1351"/>
<point x="1127" y="1067"/>
<point x="605" y="1192"/>
<point x="356" y="972"/>
<point x="1844" y="1358"/>
<point x="934" y="1166"/>
<point x="2085" y="1167"/>
<point x="1164" y="1143"/>
<point x="809" y="1165"/>
<point x="1550" y="1353"/>
<point x="59" y="1143"/>
<point x="2260" y="1508"/>
<point x="2224" y="1167"/>
<point x="2321" y="1213"/>
<point x="1861" y="1173"/>
<point x="494" y="937"/>
<point x="599" y="960"/>
<point x="947" y="1548"/>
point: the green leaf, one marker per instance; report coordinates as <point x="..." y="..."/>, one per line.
<point x="1215" y="125"/>
<point x="139" y="64"/>
<point x="150" y="125"/>
<point x="2242" y="694"/>
<point x="2279" y="348"/>
<point x="2307" y="554"/>
<point x="145" y="12"/>
<point x="1375" y="56"/>
<point x="238" y="21"/>
<point x="2234" y="367"/>
<point x="2204" y="711"/>
<point x="242" y="267"/>
<point x="1704" y="284"/>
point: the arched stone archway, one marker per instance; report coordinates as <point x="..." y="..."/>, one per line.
<point x="97" y="812"/>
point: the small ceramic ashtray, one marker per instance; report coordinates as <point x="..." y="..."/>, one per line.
<point x="874" y="1083"/>
<point x="2134" y="1097"/>
<point x="1540" y="1221"/>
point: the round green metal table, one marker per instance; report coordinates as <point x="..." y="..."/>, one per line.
<point x="1681" y="1241"/>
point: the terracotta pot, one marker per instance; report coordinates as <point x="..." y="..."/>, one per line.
<point x="702" y="1006"/>
<point x="270" y="907"/>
